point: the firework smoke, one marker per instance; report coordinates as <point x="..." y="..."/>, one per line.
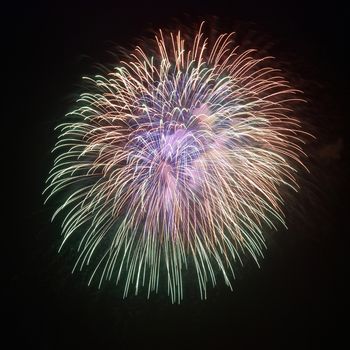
<point x="175" y="160"/>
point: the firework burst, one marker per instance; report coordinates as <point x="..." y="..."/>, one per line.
<point x="175" y="159"/>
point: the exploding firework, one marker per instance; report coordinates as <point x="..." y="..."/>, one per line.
<point x="175" y="160"/>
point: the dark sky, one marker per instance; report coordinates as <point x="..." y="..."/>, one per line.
<point x="295" y="299"/>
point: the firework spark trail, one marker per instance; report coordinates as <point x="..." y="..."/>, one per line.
<point x="176" y="159"/>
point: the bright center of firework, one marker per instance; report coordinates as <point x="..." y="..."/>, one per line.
<point x="169" y="156"/>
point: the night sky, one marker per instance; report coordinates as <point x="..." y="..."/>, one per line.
<point x="295" y="300"/>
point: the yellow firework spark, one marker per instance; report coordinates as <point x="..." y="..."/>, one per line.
<point x="176" y="159"/>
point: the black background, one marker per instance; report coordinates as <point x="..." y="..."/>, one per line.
<point x="296" y="299"/>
